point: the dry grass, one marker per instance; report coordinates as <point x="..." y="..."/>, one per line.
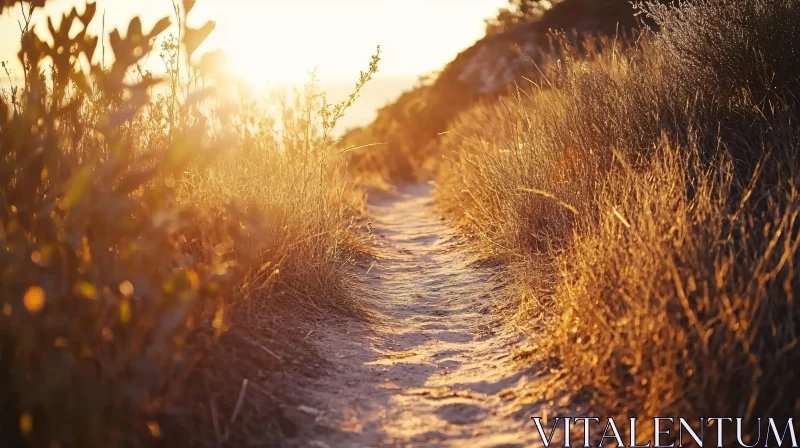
<point x="647" y="199"/>
<point x="137" y="231"/>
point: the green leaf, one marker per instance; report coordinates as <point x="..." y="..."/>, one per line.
<point x="160" y="27"/>
<point x="135" y="30"/>
<point x="194" y="37"/>
<point x="4" y="112"/>
<point x="188" y="5"/>
<point x="89" y="46"/>
<point x="116" y="43"/>
<point x="51" y="27"/>
<point x="88" y="14"/>
<point x="80" y="80"/>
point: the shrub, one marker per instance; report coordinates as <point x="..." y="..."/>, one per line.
<point x="757" y="54"/>
<point x="134" y="230"/>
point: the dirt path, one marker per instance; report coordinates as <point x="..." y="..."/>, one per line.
<point x="434" y="367"/>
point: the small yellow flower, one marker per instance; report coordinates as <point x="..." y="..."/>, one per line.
<point x="155" y="430"/>
<point x="25" y="423"/>
<point x="34" y="299"/>
<point x="125" y="311"/>
<point x="193" y="278"/>
<point x="86" y="290"/>
<point x="126" y="288"/>
<point x="219" y="319"/>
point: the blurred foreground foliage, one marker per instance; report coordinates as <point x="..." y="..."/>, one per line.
<point x="131" y="225"/>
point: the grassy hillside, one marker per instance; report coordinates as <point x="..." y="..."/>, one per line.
<point x="408" y="129"/>
<point x="646" y="201"/>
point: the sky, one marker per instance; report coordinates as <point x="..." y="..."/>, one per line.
<point x="279" y="41"/>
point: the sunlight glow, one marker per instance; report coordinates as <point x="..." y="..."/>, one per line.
<point x="273" y="44"/>
<point x="280" y="41"/>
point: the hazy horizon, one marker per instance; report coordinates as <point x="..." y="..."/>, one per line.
<point x="416" y="37"/>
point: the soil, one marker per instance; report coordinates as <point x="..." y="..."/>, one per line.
<point x="433" y="366"/>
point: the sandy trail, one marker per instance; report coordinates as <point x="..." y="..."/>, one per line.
<point x="434" y="367"/>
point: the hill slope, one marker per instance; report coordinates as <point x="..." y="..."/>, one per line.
<point x="407" y="129"/>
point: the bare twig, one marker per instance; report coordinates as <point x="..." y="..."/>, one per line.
<point x="535" y="65"/>
<point x="359" y="147"/>
<point x="265" y="349"/>
<point x="103" y="41"/>
<point x="234" y="415"/>
<point x="215" y="419"/>
<point x="239" y="401"/>
<point x="550" y="196"/>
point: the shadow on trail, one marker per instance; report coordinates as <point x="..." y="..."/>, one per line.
<point x="433" y="368"/>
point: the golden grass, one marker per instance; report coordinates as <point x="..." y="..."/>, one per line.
<point x="650" y="216"/>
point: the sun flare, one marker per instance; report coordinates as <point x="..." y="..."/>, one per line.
<point x="264" y="48"/>
<point x="281" y="42"/>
